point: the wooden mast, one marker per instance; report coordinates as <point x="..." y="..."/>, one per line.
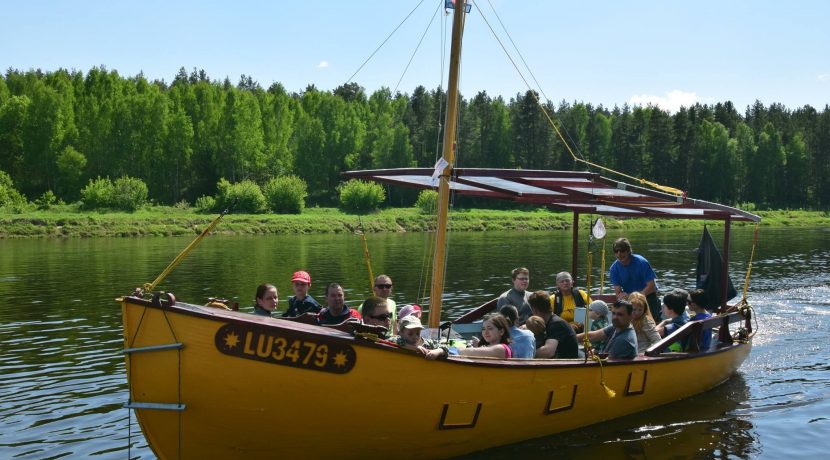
<point x="440" y="258"/>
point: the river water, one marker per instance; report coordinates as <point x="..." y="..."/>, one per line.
<point x="62" y="380"/>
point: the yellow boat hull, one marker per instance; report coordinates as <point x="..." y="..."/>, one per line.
<point x="254" y="387"/>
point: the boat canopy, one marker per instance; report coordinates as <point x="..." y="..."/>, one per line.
<point x="581" y="192"/>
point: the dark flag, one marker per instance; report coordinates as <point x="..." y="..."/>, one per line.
<point x="710" y="272"/>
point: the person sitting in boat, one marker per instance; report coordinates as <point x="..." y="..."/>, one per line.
<point x="267" y="300"/>
<point x="375" y="312"/>
<point x="410" y="338"/>
<point x="567" y="298"/>
<point x="336" y="310"/>
<point x="301" y="302"/>
<point x="495" y="339"/>
<point x="410" y="310"/>
<point x="524" y="342"/>
<point x="643" y="323"/>
<point x="560" y="339"/>
<point x="621" y="340"/>
<point x="383" y="289"/>
<point x="518" y="294"/>
<point x="697" y="304"/>
<point x="598" y="312"/>
<point x="674" y="309"/>
<point x="536" y="325"/>
<point x="632" y="272"/>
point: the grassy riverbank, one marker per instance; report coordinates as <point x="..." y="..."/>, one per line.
<point x="66" y="222"/>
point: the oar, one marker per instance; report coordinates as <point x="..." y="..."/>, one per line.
<point x="149" y="287"/>
<point x="366" y="254"/>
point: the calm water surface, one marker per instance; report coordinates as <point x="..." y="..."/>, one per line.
<point x="62" y="379"/>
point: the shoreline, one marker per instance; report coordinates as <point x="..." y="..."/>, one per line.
<point x="170" y="221"/>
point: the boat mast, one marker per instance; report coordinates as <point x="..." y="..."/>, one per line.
<point x="440" y="258"/>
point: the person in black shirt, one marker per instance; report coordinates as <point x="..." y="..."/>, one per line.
<point x="560" y="339"/>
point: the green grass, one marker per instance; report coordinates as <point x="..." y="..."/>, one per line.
<point x="69" y="221"/>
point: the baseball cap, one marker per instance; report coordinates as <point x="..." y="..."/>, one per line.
<point x="301" y="276"/>
<point x="411" y="322"/>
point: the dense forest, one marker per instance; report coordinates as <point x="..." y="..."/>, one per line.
<point x="60" y="129"/>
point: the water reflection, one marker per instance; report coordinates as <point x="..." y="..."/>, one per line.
<point x="699" y="427"/>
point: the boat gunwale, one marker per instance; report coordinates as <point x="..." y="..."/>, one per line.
<point x="235" y="317"/>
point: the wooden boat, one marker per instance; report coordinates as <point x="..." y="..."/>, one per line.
<point x="209" y="383"/>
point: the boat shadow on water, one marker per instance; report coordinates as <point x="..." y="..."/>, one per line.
<point x="708" y="425"/>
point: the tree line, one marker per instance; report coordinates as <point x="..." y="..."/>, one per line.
<point x="59" y="130"/>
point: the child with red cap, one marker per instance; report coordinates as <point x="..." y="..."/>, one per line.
<point x="301" y="302"/>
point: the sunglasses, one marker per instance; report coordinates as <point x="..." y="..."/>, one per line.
<point x="383" y="286"/>
<point x="617" y="251"/>
<point x="382" y="317"/>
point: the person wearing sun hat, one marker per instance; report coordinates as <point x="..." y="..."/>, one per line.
<point x="410" y="328"/>
<point x="598" y="312"/>
<point x="301" y="302"/>
<point x="410" y="309"/>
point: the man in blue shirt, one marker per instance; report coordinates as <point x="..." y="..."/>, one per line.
<point x="632" y="273"/>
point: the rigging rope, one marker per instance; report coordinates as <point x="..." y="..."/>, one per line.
<point x="384" y="42"/>
<point x="585" y="342"/>
<point x="556" y="128"/>
<point x="749" y="266"/>
<point x="416" y="48"/>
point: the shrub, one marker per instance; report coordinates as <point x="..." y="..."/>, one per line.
<point x="286" y="195"/>
<point x="427" y="201"/>
<point x="97" y="193"/>
<point x="129" y="193"/>
<point x="47" y="200"/>
<point x="360" y="197"/>
<point x="182" y="204"/>
<point x="205" y="204"/>
<point x="246" y="196"/>
<point x="9" y="196"/>
<point x="126" y="193"/>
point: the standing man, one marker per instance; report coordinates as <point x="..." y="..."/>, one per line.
<point x="336" y="310"/>
<point x="567" y="298"/>
<point x="518" y="295"/>
<point x="560" y="339"/>
<point x="301" y="303"/>
<point x="621" y="338"/>
<point x="632" y="273"/>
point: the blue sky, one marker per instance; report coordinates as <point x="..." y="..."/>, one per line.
<point x="603" y="52"/>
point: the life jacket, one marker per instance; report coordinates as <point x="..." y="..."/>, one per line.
<point x="558" y="304"/>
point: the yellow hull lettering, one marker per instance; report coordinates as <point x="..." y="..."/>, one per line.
<point x="290" y="348"/>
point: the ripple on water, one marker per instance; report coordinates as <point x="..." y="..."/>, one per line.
<point x="63" y="380"/>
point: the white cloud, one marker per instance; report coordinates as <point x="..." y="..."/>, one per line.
<point x="825" y="77"/>
<point x="323" y="64"/>
<point x="672" y="101"/>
